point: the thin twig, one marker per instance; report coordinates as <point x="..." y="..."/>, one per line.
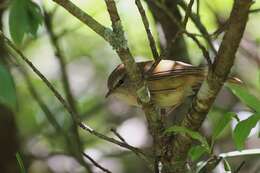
<point x="137" y="151"/>
<point x="118" y="135"/>
<point x="254" y="10"/>
<point x="109" y="139"/>
<point x="188" y="13"/>
<point x="198" y="8"/>
<point x="39" y="74"/>
<point x="185" y="21"/>
<point x="74" y="116"/>
<point x="95" y="163"/>
<point x="202" y="48"/>
<point x="147" y="29"/>
<point x="196" y="20"/>
<point x="183" y="30"/>
<point x="240" y="167"/>
<point x="49" y="115"/>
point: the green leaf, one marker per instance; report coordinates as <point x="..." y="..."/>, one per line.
<point x="7" y="88"/>
<point x="223" y="122"/>
<point x="243" y="129"/>
<point x="192" y="134"/>
<point x="20" y="162"/>
<point x="227" y="166"/>
<point x="246" y="97"/>
<point x="196" y="152"/>
<point x="36" y="17"/>
<point x="24" y="18"/>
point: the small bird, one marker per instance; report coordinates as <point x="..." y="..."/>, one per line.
<point x="169" y="82"/>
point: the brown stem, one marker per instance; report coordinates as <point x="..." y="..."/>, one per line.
<point x="212" y="85"/>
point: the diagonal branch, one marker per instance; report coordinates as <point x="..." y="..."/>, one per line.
<point x="152" y="114"/>
<point x="215" y="80"/>
<point x="95" y="163"/>
<point x="182" y="29"/>
<point x="147" y="29"/>
<point x="196" y="20"/>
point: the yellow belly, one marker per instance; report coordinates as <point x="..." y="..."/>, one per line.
<point x="161" y="98"/>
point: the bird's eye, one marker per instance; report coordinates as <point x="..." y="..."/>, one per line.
<point x="120" y="82"/>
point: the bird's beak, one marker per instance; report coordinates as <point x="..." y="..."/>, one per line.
<point x="108" y="93"/>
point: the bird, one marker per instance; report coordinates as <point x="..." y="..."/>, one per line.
<point x="169" y="82"/>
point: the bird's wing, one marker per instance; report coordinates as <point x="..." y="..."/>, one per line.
<point x="168" y="68"/>
<point x="177" y="73"/>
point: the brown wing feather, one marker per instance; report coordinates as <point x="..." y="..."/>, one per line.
<point x="168" y="68"/>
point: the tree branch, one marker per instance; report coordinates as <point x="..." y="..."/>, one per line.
<point x="182" y="29"/>
<point x="196" y="20"/>
<point x="152" y="113"/>
<point x="215" y="80"/>
<point x="147" y="29"/>
<point x="95" y="163"/>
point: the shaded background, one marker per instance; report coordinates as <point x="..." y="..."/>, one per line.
<point x="89" y="62"/>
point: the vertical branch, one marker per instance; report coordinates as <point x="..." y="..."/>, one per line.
<point x="119" y="43"/>
<point x="147" y="29"/>
<point x="155" y="121"/>
<point x="215" y="80"/>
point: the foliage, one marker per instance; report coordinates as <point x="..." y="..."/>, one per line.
<point x="7" y="89"/>
<point x="194" y="135"/>
<point x="244" y="127"/>
<point x="30" y="18"/>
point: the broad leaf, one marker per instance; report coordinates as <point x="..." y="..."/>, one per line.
<point x="192" y="134"/>
<point x="223" y="122"/>
<point x="243" y="129"/>
<point x="196" y="152"/>
<point x="24" y="18"/>
<point x="246" y="97"/>
<point x="7" y="88"/>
